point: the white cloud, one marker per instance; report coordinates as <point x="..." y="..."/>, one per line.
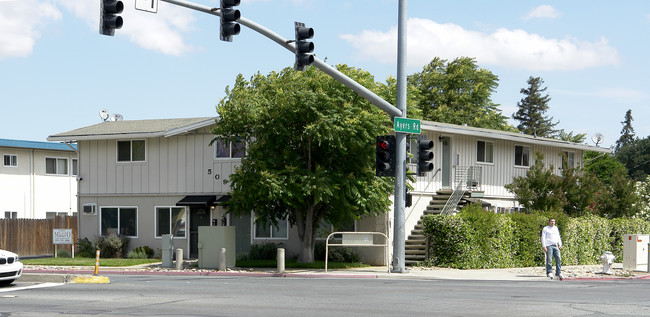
<point x="516" y="49"/>
<point x="159" y="32"/>
<point x="542" y="12"/>
<point x="19" y="24"/>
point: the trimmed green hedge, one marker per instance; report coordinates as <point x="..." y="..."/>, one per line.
<point x="476" y="238"/>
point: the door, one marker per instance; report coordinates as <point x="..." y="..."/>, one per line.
<point x="199" y="216"/>
<point x="446" y="161"/>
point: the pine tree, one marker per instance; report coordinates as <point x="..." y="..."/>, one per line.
<point x="532" y="109"/>
<point x="627" y="133"/>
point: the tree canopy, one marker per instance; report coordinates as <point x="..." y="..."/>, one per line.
<point x="310" y="154"/>
<point x="636" y="157"/>
<point x="532" y="110"/>
<point x="458" y="92"/>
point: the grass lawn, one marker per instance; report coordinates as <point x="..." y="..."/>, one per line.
<point x="61" y="261"/>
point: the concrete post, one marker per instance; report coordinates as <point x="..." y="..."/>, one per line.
<point x="179" y="259"/>
<point x="222" y="259"/>
<point x="280" y="260"/>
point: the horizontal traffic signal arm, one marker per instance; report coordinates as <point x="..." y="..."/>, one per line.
<point x="329" y="70"/>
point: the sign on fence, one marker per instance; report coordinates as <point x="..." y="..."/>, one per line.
<point x="62" y="236"/>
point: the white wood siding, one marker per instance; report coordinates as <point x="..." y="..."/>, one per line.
<point x="494" y="175"/>
<point x="175" y="165"/>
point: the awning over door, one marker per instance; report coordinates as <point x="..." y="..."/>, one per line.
<point x="203" y="200"/>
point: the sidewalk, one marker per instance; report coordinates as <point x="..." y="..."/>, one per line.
<point x="584" y="273"/>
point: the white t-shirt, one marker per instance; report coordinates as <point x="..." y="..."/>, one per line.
<point x="551" y="236"/>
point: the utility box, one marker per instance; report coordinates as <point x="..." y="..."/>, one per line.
<point x="211" y="240"/>
<point x="635" y="252"/>
<point x="167" y="250"/>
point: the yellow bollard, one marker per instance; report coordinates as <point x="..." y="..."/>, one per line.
<point x="97" y="262"/>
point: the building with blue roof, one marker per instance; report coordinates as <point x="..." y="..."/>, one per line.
<point x="37" y="179"/>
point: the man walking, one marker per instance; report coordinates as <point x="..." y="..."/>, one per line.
<point x="552" y="244"/>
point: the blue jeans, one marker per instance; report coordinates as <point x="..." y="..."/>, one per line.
<point x="552" y="251"/>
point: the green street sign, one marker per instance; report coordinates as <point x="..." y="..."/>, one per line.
<point x="407" y="125"/>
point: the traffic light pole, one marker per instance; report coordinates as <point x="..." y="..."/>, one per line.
<point x="399" y="243"/>
<point x="329" y="70"/>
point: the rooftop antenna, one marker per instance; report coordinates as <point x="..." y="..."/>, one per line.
<point x="597" y="138"/>
<point x="116" y="117"/>
<point x="103" y="113"/>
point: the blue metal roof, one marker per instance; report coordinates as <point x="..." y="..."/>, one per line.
<point x="36" y="145"/>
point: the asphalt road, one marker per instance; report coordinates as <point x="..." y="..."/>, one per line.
<point x="246" y="296"/>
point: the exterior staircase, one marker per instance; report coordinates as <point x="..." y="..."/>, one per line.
<point x="416" y="244"/>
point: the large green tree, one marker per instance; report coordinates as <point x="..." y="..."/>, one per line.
<point x="532" y="110"/>
<point x="458" y="92"/>
<point x="627" y="133"/>
<point x="636" y="157"/>
<point x="311" y="151"/>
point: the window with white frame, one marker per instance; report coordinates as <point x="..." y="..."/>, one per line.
<point x="170" y="220"/>
<point x="522" y="155"/>
<point x="11" y="214"/>
<point x="10" y="160"/>
<point x="131" y="151"/>
<point x="119" y="220"/>
<point x="227" y="149"/>
<point x="484" y="152"/>
<point x="56" y="166"/>
<point x="271" y="231"/>
<point x="568" y="159"/>
<point x="75" y="167"/>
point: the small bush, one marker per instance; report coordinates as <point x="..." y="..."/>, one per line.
<point x="137" y="253"/>
<point x="147" y="251"/>
<point x="336" y="254"/>
<point x="112" y="246"/>
<point x="265" y="251"/>
<point x="85" y="249"/>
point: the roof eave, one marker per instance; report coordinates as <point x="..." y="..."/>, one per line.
<point x="495" y="134"/>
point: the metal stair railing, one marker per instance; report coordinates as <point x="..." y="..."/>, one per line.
<point x="466" y="178"/>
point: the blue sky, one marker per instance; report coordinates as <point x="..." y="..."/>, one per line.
<point x="58" y="71"/>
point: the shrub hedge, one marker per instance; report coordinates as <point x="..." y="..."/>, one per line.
<point x="476" y="238"/>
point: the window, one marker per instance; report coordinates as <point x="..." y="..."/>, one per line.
<point x="226" y="149"/>
<point x="54" y="214"/>
<point x="131" y="151"/>
<point x="11" y="214"/>
<point x="11" y="160"/>
<point x="269" y="231"/>
<point x="170" y="220"/>
<point x="522" y="155"/>
<point x="568" y="160"/>
<point x="58" y="166"/>
<point x="484" y="152"/>
<point x="75" y="167"/>
<point x="119" y="220"/>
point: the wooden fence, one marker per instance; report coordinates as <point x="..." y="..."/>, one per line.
<point x="33" y="237"/>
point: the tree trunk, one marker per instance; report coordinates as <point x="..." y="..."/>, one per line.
<point x="305" y="222"/>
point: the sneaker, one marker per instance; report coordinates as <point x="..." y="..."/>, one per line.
<point x="550" y="275"/>
<point x="561" y="277"/>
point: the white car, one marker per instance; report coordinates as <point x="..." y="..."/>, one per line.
<point x="10" y="267"/>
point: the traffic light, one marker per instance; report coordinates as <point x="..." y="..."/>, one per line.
<point x="425" y="155"/>
<point x="303" y="47"/>
<point x="229" y="16"/>
<point x="385" y="155"/>
<point x="108" y="18"/>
